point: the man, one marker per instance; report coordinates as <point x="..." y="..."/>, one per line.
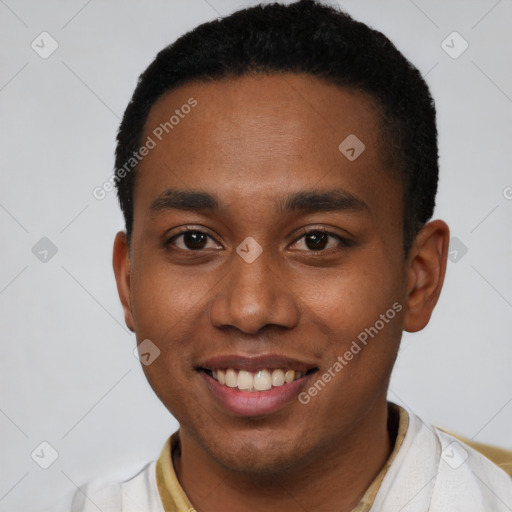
<point x="277" y="170"/>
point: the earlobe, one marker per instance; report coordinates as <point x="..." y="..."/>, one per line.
<point x="121" y="264"/>
<point x="426" y="272"/>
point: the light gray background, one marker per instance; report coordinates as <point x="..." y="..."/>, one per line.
<point x="68" y="375"/>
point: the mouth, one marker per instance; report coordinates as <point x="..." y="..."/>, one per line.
<point x="261" y="380"/>
<point x="255" y="386"/>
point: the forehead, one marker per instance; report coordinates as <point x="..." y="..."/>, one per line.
<point x="259" y="135"/>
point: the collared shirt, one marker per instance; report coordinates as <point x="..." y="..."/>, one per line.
<point x="428" y="470"/>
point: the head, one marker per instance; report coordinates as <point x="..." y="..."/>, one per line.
<point x="278" y="220"/>
<point x="305" y="37"/>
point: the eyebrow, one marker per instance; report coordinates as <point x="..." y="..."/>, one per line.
<point x="185" y="200"/>
<point x="310" y="201"/>
<point x="306" y="201"/>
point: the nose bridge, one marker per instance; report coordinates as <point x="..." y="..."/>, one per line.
<point x="252" y="295"/>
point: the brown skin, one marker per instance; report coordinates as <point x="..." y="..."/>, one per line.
<point x="251" y="141"/>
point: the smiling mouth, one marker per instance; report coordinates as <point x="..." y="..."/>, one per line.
<point x="258" y="381"/>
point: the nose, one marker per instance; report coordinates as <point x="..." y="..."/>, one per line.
<point x="252" y="296"/>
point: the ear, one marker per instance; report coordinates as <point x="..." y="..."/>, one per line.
<point x="121" y="264"/>
<point x="426" y="271"/>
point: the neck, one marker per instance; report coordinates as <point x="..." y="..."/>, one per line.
<point x="336" y="479"/>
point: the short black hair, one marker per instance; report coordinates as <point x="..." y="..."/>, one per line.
<point x="302" y="37"/>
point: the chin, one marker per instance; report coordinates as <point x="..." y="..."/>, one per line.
<point x="259" y="456"/>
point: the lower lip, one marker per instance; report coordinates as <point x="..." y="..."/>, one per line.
<point x="254" y="403"/>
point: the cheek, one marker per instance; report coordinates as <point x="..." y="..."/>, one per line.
<point x="361" y="312"/>
<point x="168" y="312"/>
<point x="169" y="309"/>
<point x="362" y="320"/>
<point x="170" y="385"/>
<point x="346" y="303"/>
<point x="164" y="298"/>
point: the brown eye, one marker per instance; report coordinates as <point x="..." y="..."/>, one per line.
<point x="316" y="241"/>
<point x="194" y="240"/>
<point x="319" y="240"/>
<point x="190" y="240"/>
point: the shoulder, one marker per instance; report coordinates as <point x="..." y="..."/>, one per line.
<point x="464" y="471"/>
<point x="434" y="471"/>
<point x="138" y="493"/>
<point x="500" y="456"/>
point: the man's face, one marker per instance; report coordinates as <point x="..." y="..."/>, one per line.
<point x="265" y="148"/>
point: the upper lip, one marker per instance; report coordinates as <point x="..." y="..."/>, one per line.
<point x="255" y="363"/>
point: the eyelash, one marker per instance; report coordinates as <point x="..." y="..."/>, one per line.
<point x="344" y="242"/>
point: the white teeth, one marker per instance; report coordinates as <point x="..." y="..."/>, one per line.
<point x="262" y="380"/>
<point x="231" y="378"/>
<point x="277" y="378"/>
<point x="244" y="380"/>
